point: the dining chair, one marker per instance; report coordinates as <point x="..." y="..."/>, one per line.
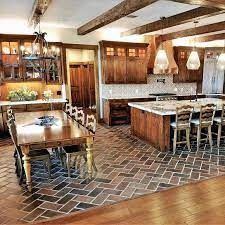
<point x="80" y="117"/>
<point x="205" y="120"/>
<point x="220" y="122"/>
<point x="182" y="123"/>
<point x="10" y="113"/>
<point x="73" y="112"/>
<point x="78" y="151"/>
<point x="68" y="108"/>
<point x="35" y="155"/>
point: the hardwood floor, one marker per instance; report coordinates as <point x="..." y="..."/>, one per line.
<point x="196" y="203"/>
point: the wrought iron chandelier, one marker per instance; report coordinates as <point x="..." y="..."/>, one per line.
<point x="40" y="56"/>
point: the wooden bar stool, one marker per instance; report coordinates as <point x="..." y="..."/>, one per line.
<point x="205" y="120"/>
<point x="183" y="122"/>
<point x="220" y="122"/>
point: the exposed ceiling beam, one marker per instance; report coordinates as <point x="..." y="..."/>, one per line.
<point x="123" y="9"/>
<point x="194" y="31"/>
<point x="181" y="18"/>
<point x="207" y="38"/>
<point x="38" y="10"/>
<point x="207" y="3"/>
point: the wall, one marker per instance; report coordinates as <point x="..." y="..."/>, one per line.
<point x="143" y="90"/>
<point x="40" y="87"/>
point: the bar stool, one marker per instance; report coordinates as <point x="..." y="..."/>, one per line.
<point x="183" y="122"/>
<point x="207" y="113"/>
<point x="220" y="122"/>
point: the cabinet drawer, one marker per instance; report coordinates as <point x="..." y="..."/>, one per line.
<point x="15" y="108"/>
<point x="38" y="107"/>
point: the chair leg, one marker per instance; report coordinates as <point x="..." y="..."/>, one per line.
<point x="68" y="157"/>
<point x="219" y="135"/>
<point x="48" y="162"/>
<point x="94" y="165"/>
<point x="188" y="138"/>
<point x="198" y="137"/>
<point x="210" y="137"/>
<point x="174" y="141"/>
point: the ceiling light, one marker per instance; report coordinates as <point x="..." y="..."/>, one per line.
<point x="161" y="60"/>
<point x="193" y="62"/>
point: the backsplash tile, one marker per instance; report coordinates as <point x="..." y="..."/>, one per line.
<point x="143" y="90"/>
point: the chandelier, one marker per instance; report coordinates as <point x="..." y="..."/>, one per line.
<point x="193" y="62"/>
<point x="161" y="60"/>
<point x="41" y="57"/>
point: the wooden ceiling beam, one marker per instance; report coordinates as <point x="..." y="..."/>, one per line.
<point x="119" y="11"/>
<point x="206" y="3"/>
<point x="181" y="18"/>
<point x="38" y="10"/>
<point x="207" y="38"/>
<point x="194" y="31"/>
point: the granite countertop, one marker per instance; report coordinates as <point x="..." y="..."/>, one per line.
<point x="128" y="97"/>
<point x="166" y="108"/>
<point x="38" y="101"/>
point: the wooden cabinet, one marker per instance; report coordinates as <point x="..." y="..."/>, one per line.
<point x="15" y="65"/>
<point x="123" y="63"/>
<point x="181" y="55"/>
<point x="117" y="111"/>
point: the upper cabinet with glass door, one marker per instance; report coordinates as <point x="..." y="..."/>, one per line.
<point x="22" y="60"/>
<point x="10" y="61"/>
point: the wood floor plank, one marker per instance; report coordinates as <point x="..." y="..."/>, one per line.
<point x="195" y="203"/>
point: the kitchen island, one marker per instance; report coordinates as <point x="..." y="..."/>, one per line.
<point x="150" y="121"/>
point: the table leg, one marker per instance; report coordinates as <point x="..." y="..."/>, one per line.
<point x="90" y="142"/>
<point x="27" y="165"/>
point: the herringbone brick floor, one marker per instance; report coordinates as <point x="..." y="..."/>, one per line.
<point x="127" y="167"/>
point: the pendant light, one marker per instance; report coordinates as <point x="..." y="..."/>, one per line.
<point x="193" y="62"/>
<point x="161" y="60"/>
<point x="221" y="60"/>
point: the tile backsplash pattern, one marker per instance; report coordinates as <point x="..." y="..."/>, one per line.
<point x="143" y="90"/>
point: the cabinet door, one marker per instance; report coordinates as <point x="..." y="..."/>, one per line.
<point x="131" y="70"/>
<point x="141" y="68"/>
<point x="108" y="70"/>
<point x="120" y="69"/>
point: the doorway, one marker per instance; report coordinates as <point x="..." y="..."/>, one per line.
<point x="82" y="84"/>
<point x="82" y="79"/>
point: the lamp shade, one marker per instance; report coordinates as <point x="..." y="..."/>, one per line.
<point x="161" y="60"/>
<point x="193" y="62"/>
<point x="221" y="62"/>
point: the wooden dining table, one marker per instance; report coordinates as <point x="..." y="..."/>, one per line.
<point x="63" y="132"/>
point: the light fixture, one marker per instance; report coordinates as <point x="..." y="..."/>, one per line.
<point x="221" y="60"/>
<point x="39" y="55"/>
<point x="193" y="62"/>
<point x="161" y="60"/>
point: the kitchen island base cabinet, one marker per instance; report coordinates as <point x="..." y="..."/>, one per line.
<point x="151" y="127"/>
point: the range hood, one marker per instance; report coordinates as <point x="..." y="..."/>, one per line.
<point x="152" y="51"/>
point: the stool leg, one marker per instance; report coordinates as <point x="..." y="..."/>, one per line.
<point x="174" y="141"/>
<point x="210" y="137"/>
<point x="198" y="137"/>
<point x="188" y="138"/>
<point x="219" y="135"/>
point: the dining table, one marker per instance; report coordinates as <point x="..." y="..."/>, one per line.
<point x="64" y="131"/>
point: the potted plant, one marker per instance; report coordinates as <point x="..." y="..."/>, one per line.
<point x="22" y="94"/>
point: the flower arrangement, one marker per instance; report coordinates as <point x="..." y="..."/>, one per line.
<point x="22" y="94"/>
<point x="48" y="95"/>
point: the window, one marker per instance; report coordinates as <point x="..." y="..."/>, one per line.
<point x="142" y="53"/>
<point x="110" y="51"/>
<point x="132" y="52"/>
<point x="121" y="52"/>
